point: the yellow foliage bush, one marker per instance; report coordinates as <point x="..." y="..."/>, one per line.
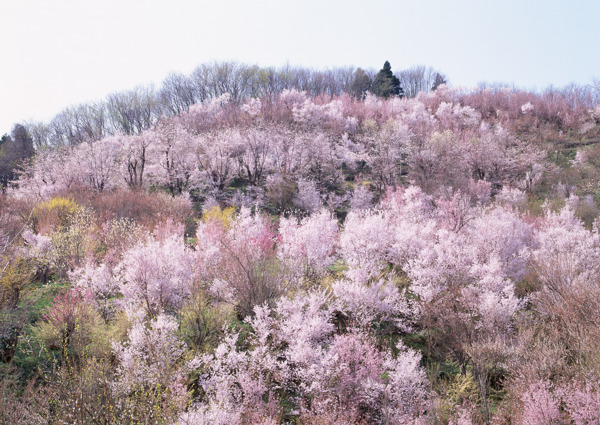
<point x="15" y="274"/>
<point x="460" y="389"/>
<point x="54" y="213"/>
<point x="72" y="243"/>
<point x="222" y="216"/>
<point x="202" y="323"/>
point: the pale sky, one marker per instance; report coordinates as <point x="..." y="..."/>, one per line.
<point x="56" y="53"/>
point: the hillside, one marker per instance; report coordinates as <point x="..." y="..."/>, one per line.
<point x="303" y="259"/>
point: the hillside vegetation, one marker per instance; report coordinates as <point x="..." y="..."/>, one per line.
<point x="308" y="259"/>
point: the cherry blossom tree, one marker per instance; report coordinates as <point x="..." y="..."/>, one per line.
<point x="237" y="257"/>
<point x="151" y="358"/>
<point x="256" y="158"/>
<point x="565" y="262"/>
<point x="365" y="241"/>
<point x="308" y="247"/>
<point x="95" y="164"/>
<point x="46" y="176"/>
<point x="173" y="164"/>
<point x="361" y="199"/>
<point x="582" y="401"/>
<point x="137" y="155"/>
<point x="217" y="155"/>
<point x="378" y="301"/>
<point x="100" y="282"/>
<point x="295" y="350"/>
<point x="308" y="199"/>
<point x="540" y="406"/>
<point x="156" y="275"/>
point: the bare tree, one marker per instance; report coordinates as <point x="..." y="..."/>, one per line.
<point x="418" y="79"/>
<point x="177" y="94"/>
<point x="40" y="133"/>
<point x="361" y="83"/>
<point x="596" y="88"/>
<point x="133" y="111"/>
<point x="201" y="77"/>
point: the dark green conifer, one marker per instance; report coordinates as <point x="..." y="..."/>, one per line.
<point x="386" y="84"/>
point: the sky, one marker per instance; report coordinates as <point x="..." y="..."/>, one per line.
<point x="57" y="53"/>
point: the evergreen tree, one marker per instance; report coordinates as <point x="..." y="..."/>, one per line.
<point x="386" y="84"/>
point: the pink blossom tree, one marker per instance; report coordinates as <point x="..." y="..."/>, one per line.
<point x="380" y="301"/>
<point x="237" y="257"/>
<point x="100" y="282"/>
<point x="256" y="159"/>
<point x="540" y="406"/>
<point x="156" y="275"/>
<point x="47" y="175"/>
<point x="308" y="247"/>
<point x="582" y="400"/>
<point x="365" y="241"/>
<point x="151" y="358"/>
<point x="361" y="199"/>
<point x="96" y="164"/>
<point x="308" y="199"/>
<point x="295" y="350"/>
<point x="217" y="155"/>
<point x="137" y="154"/>
<point x="173" y="164"/>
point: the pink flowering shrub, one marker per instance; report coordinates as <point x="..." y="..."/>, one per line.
<point x="512" y="197"/>
<point x="582" y="401"/>
<point x="377" y="301"/>
<point x="100" y="282"/>
<point x="152" y="356"/>
<point x="68" y="316"/>
<point x="295" y="352"/>
<point x="502" y="235"/>
<point x="252" y="107"/>
<point x="456" y="211"/>
<point x="156" y="276"/>
<point x="37" y="250"/>
<point x="412" y="222"/>
<point x="527" y="108"/>
<point x="365" y="241"/>
<point x="464" y="418"/>
<point x="236" y="384"/>
<point x="540" y="405"/>
<point x="309" y="247"/>
<point x="237" y="258"/>
<point x="568" y="254"/>
<point x="308" y="198"/>
<point x="362" y="198"/>
<point x="565" y="290"/>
